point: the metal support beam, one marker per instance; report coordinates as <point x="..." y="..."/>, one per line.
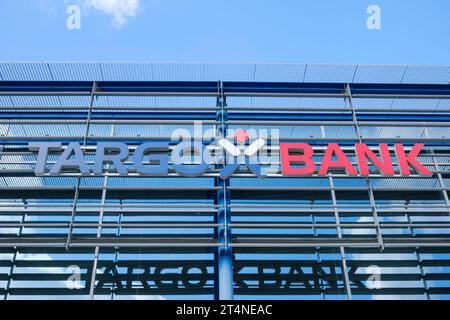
<point x="419" y="260"/>
<point x="341" y="249"/>
<point x="223" y="253"/>
<point x="368" y="181"/>
<point x="116" y="253"/>
<point x="99" y="231"/>
<point x="339" y="232"/>
<point x="77" y="187"/>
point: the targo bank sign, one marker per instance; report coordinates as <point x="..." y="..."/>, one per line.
<point x="194" y="158"/>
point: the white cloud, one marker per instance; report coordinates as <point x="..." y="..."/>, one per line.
<point x="120" y="10"/>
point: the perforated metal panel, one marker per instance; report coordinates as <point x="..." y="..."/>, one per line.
<point x="135" y="237"/>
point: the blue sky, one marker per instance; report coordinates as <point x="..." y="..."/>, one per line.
<point x="326" y="31"/>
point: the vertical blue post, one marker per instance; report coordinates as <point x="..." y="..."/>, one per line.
<point x="224" y="258"/>
<point x="223" y="255"/>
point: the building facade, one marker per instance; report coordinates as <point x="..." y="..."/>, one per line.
<point x="83" y="226"/>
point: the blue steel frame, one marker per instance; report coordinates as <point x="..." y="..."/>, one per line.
<point x="223" y="253"/>
<point x="211" y="88"/>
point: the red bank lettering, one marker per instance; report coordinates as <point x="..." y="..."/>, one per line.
<point x="405" y="161"/>
<point x="363" y="153"/>
<point x="304" y="158"/>
<point x="341" y="162"/>
<point x="334" y="157"/>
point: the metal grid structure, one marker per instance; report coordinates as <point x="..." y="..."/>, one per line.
<point x="180" y="237"/>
